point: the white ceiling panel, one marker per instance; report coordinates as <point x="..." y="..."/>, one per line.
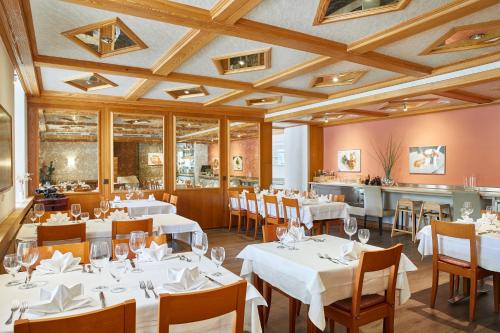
<point x="205" y="4"/>
<point x="53" y="79"/>
<point x="281" y="58"/>
<point x="285" y="100"/>
<point x="158" y="92"/>
<point x="52" y="17"/>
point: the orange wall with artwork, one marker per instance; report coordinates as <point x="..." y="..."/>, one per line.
<point x="471" y="137"/>
<point x="248" y="149"/>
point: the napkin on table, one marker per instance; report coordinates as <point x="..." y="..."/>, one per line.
<point x="156" y="252"/>
<point x="118" y="215"/>
<point x="117" y="199"/>
<point x="151" y="197"/>
<point x="184" y="279"/>
<point x="466" y="220"/>
<point x="58" y="218"/>
<point x="59" y="263"/>
<point x="351" y="251"/>
<point x="61" y="299"/>
<point x="294" y="234"/>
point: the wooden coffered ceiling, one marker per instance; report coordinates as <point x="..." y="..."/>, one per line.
<point x="183" y="38"/>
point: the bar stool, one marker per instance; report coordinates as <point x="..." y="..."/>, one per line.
<point x="408" y="222"/>
<point x="434" y="211"/>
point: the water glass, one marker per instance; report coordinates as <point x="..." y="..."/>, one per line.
<point x="199" y="244"/>
<point x="97" y="213"/>
<point x="363" y="235"/>
<point x="121" y="251"/>
<point x="12" y="264"/>
<point x="104" y="205"/>
<point x="39" y="210"/>
<point x="99" y="258"/>
<point x="137" y="243"/>
<point x="27" y="252"/>
<point x="294" y="231"/>
<point x="85" y="216"/>
<point x="32" y="216"/>
<point x="218" y="255"/>
<point x="76" y="210"/>
<point x="350" y="226"/>
<point x="281" y="233"/>
<point x="117" y="270"/>
<point x="468" y="208"/>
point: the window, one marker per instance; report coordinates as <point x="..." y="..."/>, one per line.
<point x="244" y="156"/>
<point x="69" y="149"/>
<point x="279" y="157"/>
<point x="138" y="154"/>
<point x="197" y="152"/>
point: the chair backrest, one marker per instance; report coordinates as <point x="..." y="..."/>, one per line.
<point x="234" y="200"/>
<point x="53" y="233"/>
<point x="373" y="261"/>
<point x="80" y="250"/>
<point x="126" y="227"/>
<point x="162" y="239"/>
<point x="173" y="199"/>
<point x="252" y="205"/>
<point x="455" y="230"/>
<point x="113" y="319"/>
<point x="271" y="207"/>
<point x="483" y="211"/>
<point x="222" y="300"/>
<point x="373" y="201"/>
<point x="339" y="198"/>
<point x="46" y="215"/>
<point x="269" y="232"/>
<point x="459" y="197"/>
<point x="111" y="210"/>
<point x="166" y="197"/>
<point x="290" y="208"/>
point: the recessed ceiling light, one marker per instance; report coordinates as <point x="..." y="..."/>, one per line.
<point x="239" y="135"/>
<point x="477" y="36"/>
<point x="186" y="92"/>
<point x="405" y="107"/>
<point x="339" y="116"/>
<point x="325" y="120"/>
<point x="189" y="125"/>
<point x="444" y="101"/>
<point x="241" y="62"/>
<point x="335" y="79"/>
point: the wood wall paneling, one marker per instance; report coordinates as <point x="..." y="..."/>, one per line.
<point x="315" y="150"/>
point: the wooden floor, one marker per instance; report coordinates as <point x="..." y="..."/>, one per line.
<point x="414" y="316"/>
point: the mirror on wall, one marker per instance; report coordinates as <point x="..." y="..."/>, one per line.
<point x="197" y="152"/>
<point x="69" y="149"/>
<point x="244" y="157"/>
<point x="138" y="154"/>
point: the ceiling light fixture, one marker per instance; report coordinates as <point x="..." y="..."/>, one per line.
<point x="477" y="36"/>
<point x="91" y="80"/>
<point x="335" y="79"/>
<point x="241" y="62"/>
<point x="186" y="92"/>
<point x="405" y="107"/>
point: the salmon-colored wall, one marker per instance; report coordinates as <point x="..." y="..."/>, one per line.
<point x="471" y="136"/>
<point x="248" y="149"/>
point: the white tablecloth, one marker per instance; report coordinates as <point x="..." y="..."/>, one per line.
<point x="315" y="281"/>
<point x="488" y="248"/>
<point x="147" y="309"/>
<point x="137" y="208"/>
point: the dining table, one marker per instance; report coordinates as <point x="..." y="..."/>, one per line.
<point x="306" y="275"/>
<point x="137" y="208"/>
<point x="146" y="308"/>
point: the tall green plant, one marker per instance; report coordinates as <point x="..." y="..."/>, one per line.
<point x="388" y="155"/>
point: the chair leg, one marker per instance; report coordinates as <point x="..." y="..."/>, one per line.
<point x="268" y="293"/>
<point x="247" y="220"/>
<point x="239" y="223"/>
<point x="292" y="314"/>
<point x="331" y="323"/>
<point x="298" y="308"/>
<point x="496" y="291"/>
<point x="435" y="282"/>
<point x="389" y="322"/>
<point x="256" y="227"/>
<point x="452" y="285"/>
<point x="230" y="220"/>
<point x="380" y="225"/>
<point x="327" y="227"/>
<point x="472" y="298"/>
<point x="364" y="221"/>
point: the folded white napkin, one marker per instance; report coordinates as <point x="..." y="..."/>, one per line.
<point x="58" y="218"/>
<point x="156" y="252"/>
<point x="59" y="263"/>
<point x="61" y="299"/>
<point x="117" y="199"/>
<point x="466" y="220"/>
<point x="310" y="201"/>
<point x="294" y="235"/>
<point x="323" y="199"/>
<point x="351" y="251"/>
<point x="244" y="191"/>
<point x="184" y="279"/>
<point x="118" y="215"/>
<point x="151" y="197"/>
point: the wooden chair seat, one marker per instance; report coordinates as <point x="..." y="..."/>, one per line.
<point x="454" y="261"/>
<point x="366" y="302"/>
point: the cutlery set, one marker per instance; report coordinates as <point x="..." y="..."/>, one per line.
<point x="148" y="286"/>
<point x="86" y="268"/>
<point x="335" y="261"/>
<point x="16" y="305"/>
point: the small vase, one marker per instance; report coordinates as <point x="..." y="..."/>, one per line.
<point x="387" y="180"/>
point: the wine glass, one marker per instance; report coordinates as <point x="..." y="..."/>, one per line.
<point x="99" y="258"/>
<point x="121" y="251"/>
<point x="281" y="232"/>
<point x="97" y="213"/>
<point x="39" y="210"/>
<point x="12" y="264"/>
<point x="85" y="216"/>
<point x="76" y="210"/>
<point x="130" y="193"/>
<point x="350" y="226"/>
<point x="137" y="243"/>
<point x="199" y="244"/>
<point x="117" y="270"/>
<point x="218" y="254"/>
<point x="27" y="251"/>
<point x="468" y="208"/>
<point x="294" y="231"/>
<point x="104" y="205"/>
<point x="32" y="216"/>
<point x="363" y="236"/>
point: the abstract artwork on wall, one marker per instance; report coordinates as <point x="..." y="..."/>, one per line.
<point x="6" y="177"/>
<point x="428" y="160"/>
<point x="155" y="158"/>
<point x="237" y="163"/>
<point x="349" y="160"/>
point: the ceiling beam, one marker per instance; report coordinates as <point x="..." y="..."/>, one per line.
<point x="227" y="97"/>
<point x="449" y="12"/>
<point x="465" y="96"/>
<point x="15" y="36"/>
<point x="247" y="29"/>
<point x="367" y="113"/>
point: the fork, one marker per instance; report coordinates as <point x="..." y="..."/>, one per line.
<point x="142" y="285"/>
<point x="13" y="308"/>
<point x="152" y="288"/>
<point x="335" y="260"/>
<point x="22" y="309"/>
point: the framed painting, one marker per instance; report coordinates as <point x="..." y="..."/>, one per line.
<point x="428" y="160"/>
<point x="155" y="159"/>
<point x="237" y="163"/>
<point x="6" y="169"/>
<point x="349" y="160"/>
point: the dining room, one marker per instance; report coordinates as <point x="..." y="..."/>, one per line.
<point x="249" y="166"/>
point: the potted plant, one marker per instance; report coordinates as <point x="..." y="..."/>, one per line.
<point x="387" y="155"/>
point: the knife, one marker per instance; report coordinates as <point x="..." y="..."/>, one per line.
<point x="103" y="300"/>
<point x="213" y="280"/>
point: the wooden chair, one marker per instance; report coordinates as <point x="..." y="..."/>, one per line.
<point x="335" y="222"/>
<point x="291" y="209"/>
<point x="112" y="319"/>
<point x="157" y="239"/>
<point x="80" y="250"/>
<point x="173" y="199"/>
<point x="58" y="233"/>
<point x="457" y="267"/>
<point x="126" y="227"/>
<point x="405" y="217"/>
<point x="269" y="235"/>
<point x="253" y="212"/>
<point x="361" y="309"/>
<point x="166" y="197"/>
<point x="272" y="218"/>
<point x="46" y="215"/>
<point x="235" y="209"/>
<point x="483" y="211"/>
<point x="223" y="300"/>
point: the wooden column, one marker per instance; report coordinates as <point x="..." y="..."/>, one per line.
<point x="316" y="150"/>
<point x="266" y="154"/>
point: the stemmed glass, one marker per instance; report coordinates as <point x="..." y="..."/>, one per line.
<point x="121" y="251"/>
<point x="97" y="213"/>
<point x="27" y="251"/>
<point x="32" y="216"/>
<point x="39" y="210"/>
<point x="294" y="231"/>
<point x="363" y="236"/>
<point x="350" y="226"/>
<point x="281" y="232"/>
<point x="218" y="255"/>
<point x="84" y="216"/>
<point x="137" y="243"/>
<point x="12" y="264"/>
<point x="99" y="258"/>
<point x="199" y="244"/>
<point x="117" y="270"/>
<point x="468" y="209"/>
<point x="130" y="193"/>
<point x="76" y="210"/>
<point x="104" y="205"/>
